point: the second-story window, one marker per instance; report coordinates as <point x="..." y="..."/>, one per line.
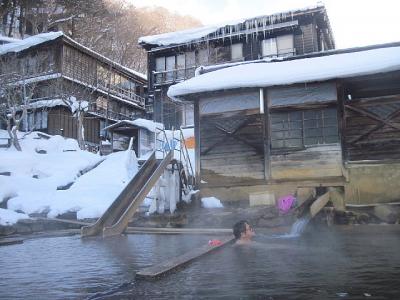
<point x="180" y="66"/>
<point x="170" y="67"/>
<point x="190" y="64"/>
<point x="237" y="52"/>
<point x="160" y="67"/>
<point x="202" y="57"/>
<point x="278" y="46"/>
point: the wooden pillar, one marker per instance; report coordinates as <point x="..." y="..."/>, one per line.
<point x="341" y="116"/>
<point x="197" y="142"/>
<point x="267" y="137"/>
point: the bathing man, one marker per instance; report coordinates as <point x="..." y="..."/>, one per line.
<point x="243" y="232"/>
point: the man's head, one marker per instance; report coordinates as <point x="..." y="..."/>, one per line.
<point x="243" y="231"/>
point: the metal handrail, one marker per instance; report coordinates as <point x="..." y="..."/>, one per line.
<point x="186" y="152"/>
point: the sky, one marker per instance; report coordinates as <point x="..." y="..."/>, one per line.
<point x="354" y="22"/>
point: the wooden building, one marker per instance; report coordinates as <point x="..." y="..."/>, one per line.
<point x="60" y="77"/>
<point x="329" y="119"/>
<point x="174" y="57"/>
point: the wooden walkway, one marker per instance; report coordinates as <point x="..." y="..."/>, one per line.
<point x="155" y="272"/>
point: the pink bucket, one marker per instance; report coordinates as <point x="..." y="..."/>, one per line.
<point x="285" y="203"/>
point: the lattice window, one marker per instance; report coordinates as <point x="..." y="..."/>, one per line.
<point x="302" y="128"/>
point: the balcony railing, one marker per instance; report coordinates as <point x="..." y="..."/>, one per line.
<point x="110" y="114"/>
<point x="282" y="53"/>
<point x="121" y="93"/>
<point x="173" y="76"/>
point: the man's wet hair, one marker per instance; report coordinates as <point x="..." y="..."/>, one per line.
<point x="239" y="228"/>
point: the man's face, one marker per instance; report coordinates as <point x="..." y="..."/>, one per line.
<point x="249" y="233"/>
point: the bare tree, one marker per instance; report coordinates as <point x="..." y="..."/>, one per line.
<point x="20" y="79"/>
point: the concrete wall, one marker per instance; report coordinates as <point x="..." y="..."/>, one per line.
<point x="368" y="184"/>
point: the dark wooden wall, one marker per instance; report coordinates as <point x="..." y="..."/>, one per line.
<point x="231" y="148"/>
<point x="372" y="129"/>
<point x="61" y="118"/>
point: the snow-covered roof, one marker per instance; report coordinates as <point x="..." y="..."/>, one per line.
<point x="311" y="69"/>
<point x="71" y="103"/>
<point x="141" y="123"/>
<point x="190" y="35"/>
<point x="29" y="42"/>
<point x="7" y="39"/>
<point x="35" y="40"/>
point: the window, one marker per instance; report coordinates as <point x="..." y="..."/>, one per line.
<point x="180" y="65"/>
<point x="101" y="103"/>
<point x="302" y="128"/>
<point x="269" y="48"/>
<point x="237" y="51"/>
<point x="190" y="64"/>
<point x="285" y="45"/>
<point x="278" y="46"/>
<point x="202" y="57"/>
<point x="37" y="120"/>
<point x="160" y="67"/>
<point x="170" y="67"/>
<point x="146" y="142"/>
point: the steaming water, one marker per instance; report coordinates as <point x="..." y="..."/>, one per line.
<point x="298" y="227"/>
<point x="334" y="263"/>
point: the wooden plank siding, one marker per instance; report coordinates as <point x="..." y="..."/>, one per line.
<point x="368" y="138"/>
<point x="313" y="163"/>
<point x="228" y="158"/>
<point x="61" y="122"/>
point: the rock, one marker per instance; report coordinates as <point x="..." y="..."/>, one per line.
<point x="65" y="187"/>
<point x="7" y="230"/>
<point x="40" y="151"/>
<point x="387" y="213"/>
<point x="262" y="198"/>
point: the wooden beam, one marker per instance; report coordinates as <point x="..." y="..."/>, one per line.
<point x="197" y="143"/>
<point x="372" y="116"/>
<point x="267" y="136"/>
<point x="150" y="230"/>
<point x="10" y="241"/>
<point x="154" y="272"/>
<point x="375" y="128"/>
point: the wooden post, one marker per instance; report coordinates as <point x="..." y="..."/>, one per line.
<point x="267" y="137"/>
<point x="341" y="116"/>
<point x="197" y="142"/>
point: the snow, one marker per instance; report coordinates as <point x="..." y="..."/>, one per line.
<point x="8" y="39"/>
<point x="211" y="202"/>
<point x="190" y="35"/>
<point x="29" y="42"/>
<point x="148" y="124"/>
<point x="32" y="186"/>
<point x="265" y="74"/>
<point x="38" y="79"/>
<point x="142" y="123"/>
<point x="72" y="103"/>
<point x="9" y="217"/>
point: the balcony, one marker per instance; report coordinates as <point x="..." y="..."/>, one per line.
<point x="119" y="92"/>
<point x="110" y="114"/>
<point x="173" y="76"/>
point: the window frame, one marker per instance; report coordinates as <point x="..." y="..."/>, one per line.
<point x="326" y="120"/>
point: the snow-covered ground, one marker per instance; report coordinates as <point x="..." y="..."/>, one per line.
<point x="32" y="186"/>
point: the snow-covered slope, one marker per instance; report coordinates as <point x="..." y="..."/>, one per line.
<point x="32" y="186"/>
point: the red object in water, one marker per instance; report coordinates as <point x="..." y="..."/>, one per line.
<point x="214" y="243"/>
